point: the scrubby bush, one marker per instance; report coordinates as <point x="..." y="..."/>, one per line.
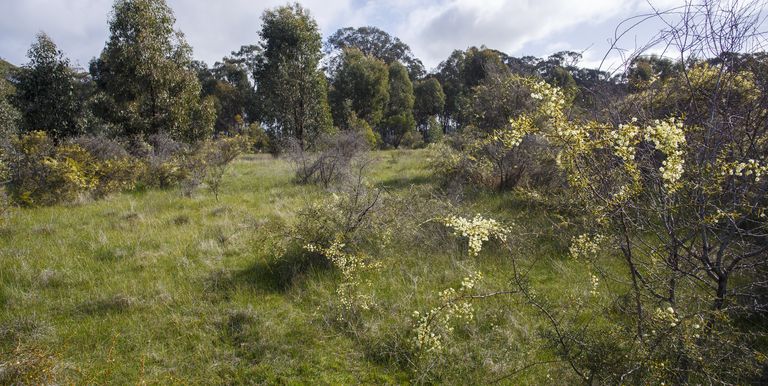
<point x="412" y="140"/>
<point x="42" y="174"/>
<point x="496" y="151"/>
<point x="434" y="132"/>
<point x="210" y="161"/>
<point x="343" y="233"/>
<point x="115" y="170"/>
<point x="163" y="159"/>
<point x="258" y="138"/>
<point x="333" y="160"/>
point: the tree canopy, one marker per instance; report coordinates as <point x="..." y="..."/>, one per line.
<point x="145" y="77"/>
<point x="377" y="43"/>
<point x="291" y="88"/>
<point x="47" y="92"/>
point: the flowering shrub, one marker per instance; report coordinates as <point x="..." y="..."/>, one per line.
<point x="668" y="136"/>
<point x="434" y="327"/>
<point x="501" y="148"/>
<point x="585" y="246"/>
<point x="477" y="231"/>
<point x="41" y="174"/>
<point x="353" y="268"/>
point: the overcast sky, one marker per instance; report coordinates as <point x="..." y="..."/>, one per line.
<point x="433" y="28"/>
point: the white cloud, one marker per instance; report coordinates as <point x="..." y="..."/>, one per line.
<point x="508" y="25"/>
<point x="433" y="28"/>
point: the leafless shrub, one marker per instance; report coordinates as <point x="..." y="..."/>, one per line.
<point x="102" y="148"/>
<point x="331" y="162"/>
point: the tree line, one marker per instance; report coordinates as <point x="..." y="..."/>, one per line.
<point x="288" y="84"/>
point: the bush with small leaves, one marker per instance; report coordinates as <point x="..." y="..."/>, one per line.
<point x="217" y="155"/>
<point x="163" y="159"/>
<point x="412" y="140"/>
<point x="42" y="174"/>
<point x="333" y="160"/>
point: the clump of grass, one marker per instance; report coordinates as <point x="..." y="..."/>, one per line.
<point x="112" y="304"/>
<point x="50" y="278"/>
<point x="221" y="211"/>
<point x="180" y="220"/>
<point x="218" y="284"/>
<point x="112" y="253"/>
<point x="28" y="366"/>
<point x="27" y="328"/>
<point x="44" y="229"/>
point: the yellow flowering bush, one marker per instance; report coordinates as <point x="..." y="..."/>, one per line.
<point x="42" y="174"/>
<point x="353" y="268"/>
<point x="433" y="328"/>
<point x="585" y="246"/>
<point x="668" y="137"/>
<point x="477" y="230"/>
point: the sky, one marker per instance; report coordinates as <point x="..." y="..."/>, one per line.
<point x="432" y="28"/>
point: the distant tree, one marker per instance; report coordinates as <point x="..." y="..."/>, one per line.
<point x="429" y="100"/>
<point x="377" y="43"/>
<point x="360" y="86"/>
<point x="434" y="132"/>
<point x="645" y="69"/>
<point x="233" y="93"/>
<point x="9" y="115"/>
<point x="399" y="116"/>
<point x="293" y="92"/>
<point x="47" y="92"/>
<point x="145" y="75"/>
<point x="462" y="71"/>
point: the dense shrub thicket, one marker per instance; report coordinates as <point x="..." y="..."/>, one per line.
<point x="41" y="173"/>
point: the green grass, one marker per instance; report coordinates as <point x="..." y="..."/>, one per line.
<point x="157" y="288"/>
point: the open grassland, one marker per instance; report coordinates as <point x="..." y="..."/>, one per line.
<point x="154" y="287"/>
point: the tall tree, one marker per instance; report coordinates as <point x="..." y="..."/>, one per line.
<point x="399" y="118"/>
<point x="360" y="86"/>
<point x="459" y="74"/>
<point x="429" y="100"/>
<point x="377" y="43"/>
<point x="47" y="92"/>
<point x="145" y="76"/>
<point x="292" y="90"/>
<point x="232" y="90"/>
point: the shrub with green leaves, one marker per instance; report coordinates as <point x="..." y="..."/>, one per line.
<point x="42" y="174"/>
<point x="212" y="159"/>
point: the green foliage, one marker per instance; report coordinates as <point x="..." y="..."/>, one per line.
<point x="41" y="174"/>
<point x="359" y="86"/>
<point x="374" y="42"/>
<point x="229" y="84"/>
<point x="48" y="94"/>
<point x="10" y="117"/>
<point x="495" y="150"/>
<point x="399" y="113"/>
<point x="292" y="90"/>
<point x="460" y="73"/>
<point x="412" y="140"/>
<point x="258" y="138"/>
<point x="434" y="131"/>
<point x="144" y="77"/>
<point x="429" y="100"/>
<point x="362" y="127"/>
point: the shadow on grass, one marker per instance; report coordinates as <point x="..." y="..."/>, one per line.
<point x="280" y="274"/>
<point x="275" y="275"/>
<point x="113" y="304"/>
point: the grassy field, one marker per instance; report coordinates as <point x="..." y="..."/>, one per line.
<point x="152" y="287"/>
